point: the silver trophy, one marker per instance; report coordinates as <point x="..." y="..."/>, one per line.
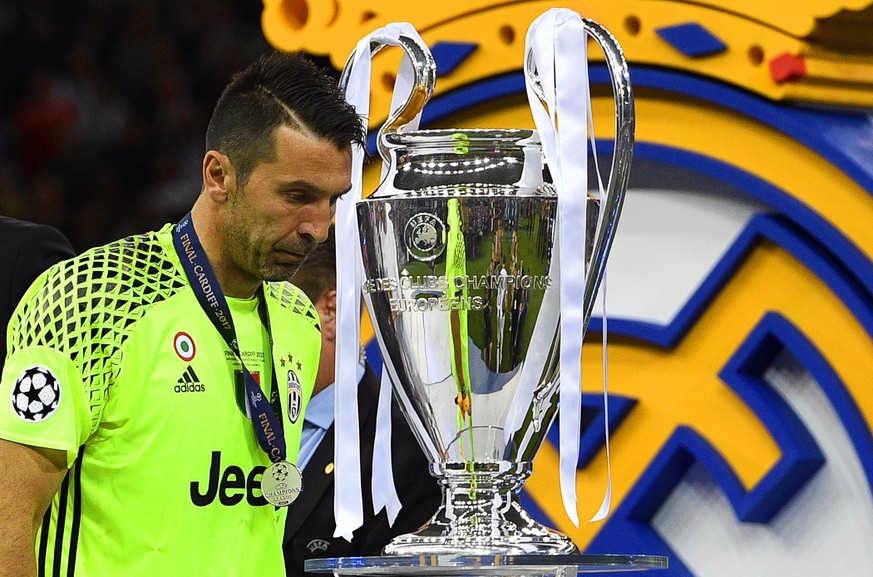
<point x="459" y="245"/>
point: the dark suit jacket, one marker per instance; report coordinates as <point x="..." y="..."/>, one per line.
<point x="26" y="251"/>
<point x="309" y="532"/>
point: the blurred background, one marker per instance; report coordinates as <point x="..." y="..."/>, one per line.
<point x="104" y="106"/>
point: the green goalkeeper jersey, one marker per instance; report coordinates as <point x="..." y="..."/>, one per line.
<point x="112" y="360"/>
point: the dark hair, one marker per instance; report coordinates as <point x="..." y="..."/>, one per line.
<point x="279" y="89"/>
<point x="317" y="274"/>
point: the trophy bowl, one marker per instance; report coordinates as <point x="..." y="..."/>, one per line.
<point x="458" y="247"/>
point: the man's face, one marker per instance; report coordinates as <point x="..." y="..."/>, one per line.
<point x="275" y="220"/>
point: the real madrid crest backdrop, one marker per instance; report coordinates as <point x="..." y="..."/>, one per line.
<point x="740" y="289"/>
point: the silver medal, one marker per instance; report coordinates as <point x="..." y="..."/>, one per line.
<point x="281" y="483"/>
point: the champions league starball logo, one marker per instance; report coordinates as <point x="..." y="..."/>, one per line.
<point x="279" y="472"/>
<point x="36" y="394"/>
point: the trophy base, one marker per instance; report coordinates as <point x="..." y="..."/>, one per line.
<point x="514" y="532"/>
<point x="487" y="565"/>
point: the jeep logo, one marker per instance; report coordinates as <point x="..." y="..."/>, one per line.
<point x="230" y="485"/>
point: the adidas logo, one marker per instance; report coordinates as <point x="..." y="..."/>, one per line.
<point x="189" y="382"/>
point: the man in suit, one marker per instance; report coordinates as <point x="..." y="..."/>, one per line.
<point x="26" y="250"/>
<point x="310" y="527"/>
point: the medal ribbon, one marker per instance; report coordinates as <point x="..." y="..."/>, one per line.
<point x="348" y="507"/>
<point x="201" y="277"/>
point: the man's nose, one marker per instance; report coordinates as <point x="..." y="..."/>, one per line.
<point x="317" y="221"/>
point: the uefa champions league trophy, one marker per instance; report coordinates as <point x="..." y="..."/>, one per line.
<point x="459" y="248"/>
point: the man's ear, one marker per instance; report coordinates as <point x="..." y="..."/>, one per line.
<point x="326" y="305"/>
<point x="218" y="176"/>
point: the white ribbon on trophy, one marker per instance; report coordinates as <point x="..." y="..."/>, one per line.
<point x="348" y="507"/>
<point x="557" y="44"/>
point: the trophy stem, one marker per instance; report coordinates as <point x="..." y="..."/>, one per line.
<point x="480" y="516"/>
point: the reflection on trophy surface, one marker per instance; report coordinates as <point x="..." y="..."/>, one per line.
<point x="460" y="251"/>
<point x="457" y="271"/>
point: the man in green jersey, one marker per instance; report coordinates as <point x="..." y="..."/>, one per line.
<point x="152" y="397"/>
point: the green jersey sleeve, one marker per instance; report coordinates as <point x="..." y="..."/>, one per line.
<point x="65" y="338"/>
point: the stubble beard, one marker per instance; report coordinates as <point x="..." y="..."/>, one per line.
<point x="279" y="273"/>
<point x="243" y="248"/>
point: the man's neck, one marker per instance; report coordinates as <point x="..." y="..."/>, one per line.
<point x="322" y="379"/>
<point x="233" y="282"/>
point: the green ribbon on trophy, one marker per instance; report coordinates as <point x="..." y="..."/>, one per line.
<point x="456" y="268"/>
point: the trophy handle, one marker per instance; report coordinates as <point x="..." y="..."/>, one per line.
<point x="424" y="82"/>
<point x="621" y="160"/>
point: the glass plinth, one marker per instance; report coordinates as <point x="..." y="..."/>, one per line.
<point x="486" y="565"/>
